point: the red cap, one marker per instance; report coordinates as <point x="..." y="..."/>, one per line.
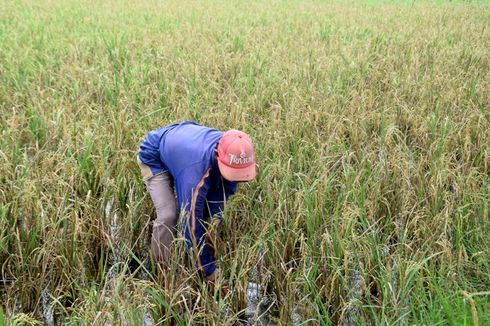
<point x="236" y="158"/>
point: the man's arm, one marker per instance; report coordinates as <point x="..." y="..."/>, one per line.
<point x="217" y="197"/>
<point x="191" y="192"/>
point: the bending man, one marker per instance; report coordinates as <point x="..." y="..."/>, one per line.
<point x="205" y="165"/>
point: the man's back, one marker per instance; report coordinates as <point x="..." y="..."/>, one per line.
<point x="178" y="146"/>
<point x="189" y="145"/>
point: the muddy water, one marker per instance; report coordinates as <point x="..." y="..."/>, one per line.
<point x="114" y="233"/>
<point x="261" y="308"/>
<point x="356" y="289"/>
<point x="46" y="303"/>
<point x="254" y="314"/>
<point x="253" y="296"/>
<point x="115" y="259"/>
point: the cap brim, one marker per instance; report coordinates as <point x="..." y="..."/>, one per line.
<point x="242" y="174"/>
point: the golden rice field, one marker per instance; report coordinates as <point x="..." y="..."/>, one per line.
<point x="371" y="123"/>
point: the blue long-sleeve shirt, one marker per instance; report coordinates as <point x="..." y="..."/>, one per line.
<point x="187" y="151"/>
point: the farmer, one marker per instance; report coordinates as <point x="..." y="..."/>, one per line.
<point x="204" y="165"/>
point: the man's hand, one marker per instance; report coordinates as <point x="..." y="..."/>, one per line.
<point x="212" y="279"/>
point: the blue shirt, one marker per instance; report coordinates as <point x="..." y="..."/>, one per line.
<point x="187" y="151"/>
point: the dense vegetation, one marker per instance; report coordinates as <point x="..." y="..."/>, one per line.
<point x="372" y="131"/>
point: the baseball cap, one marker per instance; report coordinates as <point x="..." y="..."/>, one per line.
<point x="236" y="158"/>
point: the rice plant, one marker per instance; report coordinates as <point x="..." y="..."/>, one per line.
<point x="371" y="127"/>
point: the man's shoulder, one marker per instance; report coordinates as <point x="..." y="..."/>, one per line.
<point x="185" y="123"/>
